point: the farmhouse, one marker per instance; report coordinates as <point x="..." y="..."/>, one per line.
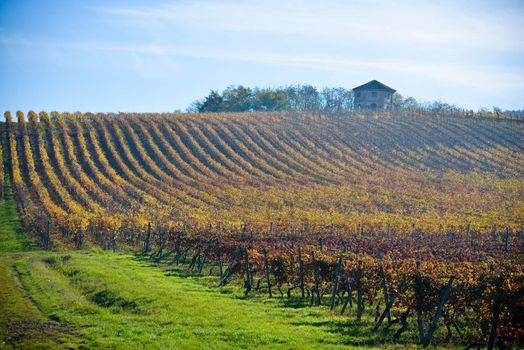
<point x="373" y="95"/>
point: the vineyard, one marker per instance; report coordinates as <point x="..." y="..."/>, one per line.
<point x="410" y="219"/>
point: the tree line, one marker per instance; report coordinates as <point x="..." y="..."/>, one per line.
<point x="329" y="100"/>
<point x="304" y="98"/>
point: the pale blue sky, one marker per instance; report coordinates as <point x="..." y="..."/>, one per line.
<point x="159" y="56"/>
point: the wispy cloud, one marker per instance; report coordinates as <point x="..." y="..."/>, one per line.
<point x="379" y="21"/>
<point x="473" y="76"/>
<point x="450" y="42"/>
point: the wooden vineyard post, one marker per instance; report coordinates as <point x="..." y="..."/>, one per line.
<point x="388" y="230"/>
<point x="434" y="323"/>
<point x="468" y="232"/>
<point x="99" y="237"/>
<point x="248" y="282"/>
<point x="419" y="302"/>
<point x="413" y="232"/>
<point x="148" y="237"/>
<point x="113" y="241"/>
<point x="386" y="312"/>
<point x="496" y="314"/>
<point x="184" y="256"/>
<point x="219" y="257"/>
<point x="162" y="240"/>
<point x="425" y="338"/>
<point x="360" y="301"/>
<point x="389" y="305"/>
<point x="386" y="291"/>
<point x="315" y="278"/>
<point x="266" y="267"/>
<point x="194" y="260"/>
<point x="348" y="298"/>
<point x="204" y="257"/>
<point x="177" y="251"/>
<point x="201" y="262"/>
<point x="335" y="283"/>
<point x="301" y="271"/>
<point x="80" y="239"/>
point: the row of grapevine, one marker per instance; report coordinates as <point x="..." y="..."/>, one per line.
<point x="267" y="167"/>
<point x="395" y="214"/>
<point x="445" y="282"/>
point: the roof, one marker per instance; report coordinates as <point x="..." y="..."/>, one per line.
<point x="374" y="85"/>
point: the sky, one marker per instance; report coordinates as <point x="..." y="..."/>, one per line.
<point x="159" y="56"/>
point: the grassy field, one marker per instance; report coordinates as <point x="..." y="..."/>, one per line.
<point x="100" y="299"/>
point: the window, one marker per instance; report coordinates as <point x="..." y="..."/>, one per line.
<point x="358" y="94"/>
<point x="373" y="94"/>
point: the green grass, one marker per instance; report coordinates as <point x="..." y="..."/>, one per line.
<point x="101" y="300"/>
<point x="12" y="238"/>
<point x="22" y="324"/>
<point x="111" y="300"/>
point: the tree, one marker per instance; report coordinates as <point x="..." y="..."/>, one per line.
<point x="439" y="106"/>
<point x="306" y="98"/>
<point x="303" y="98"/>
<point x="212" y="103"/>
<point x="397" y="101"/>
<point x="336" y="100"/>
<point x="270" y="100"/>
<point x="238" y="99"/>
<point x="497" y="111"/>
<point x="411" y="103"/>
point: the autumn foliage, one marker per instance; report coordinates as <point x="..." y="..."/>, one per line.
<point x="390" y="206"/>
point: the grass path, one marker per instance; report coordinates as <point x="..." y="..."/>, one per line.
<point x="22" y="324"/>
<point x="12" y="238"/>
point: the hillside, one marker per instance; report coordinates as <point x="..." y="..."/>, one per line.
<point x="385" y="219"/>
<point x="262" y="168"/>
